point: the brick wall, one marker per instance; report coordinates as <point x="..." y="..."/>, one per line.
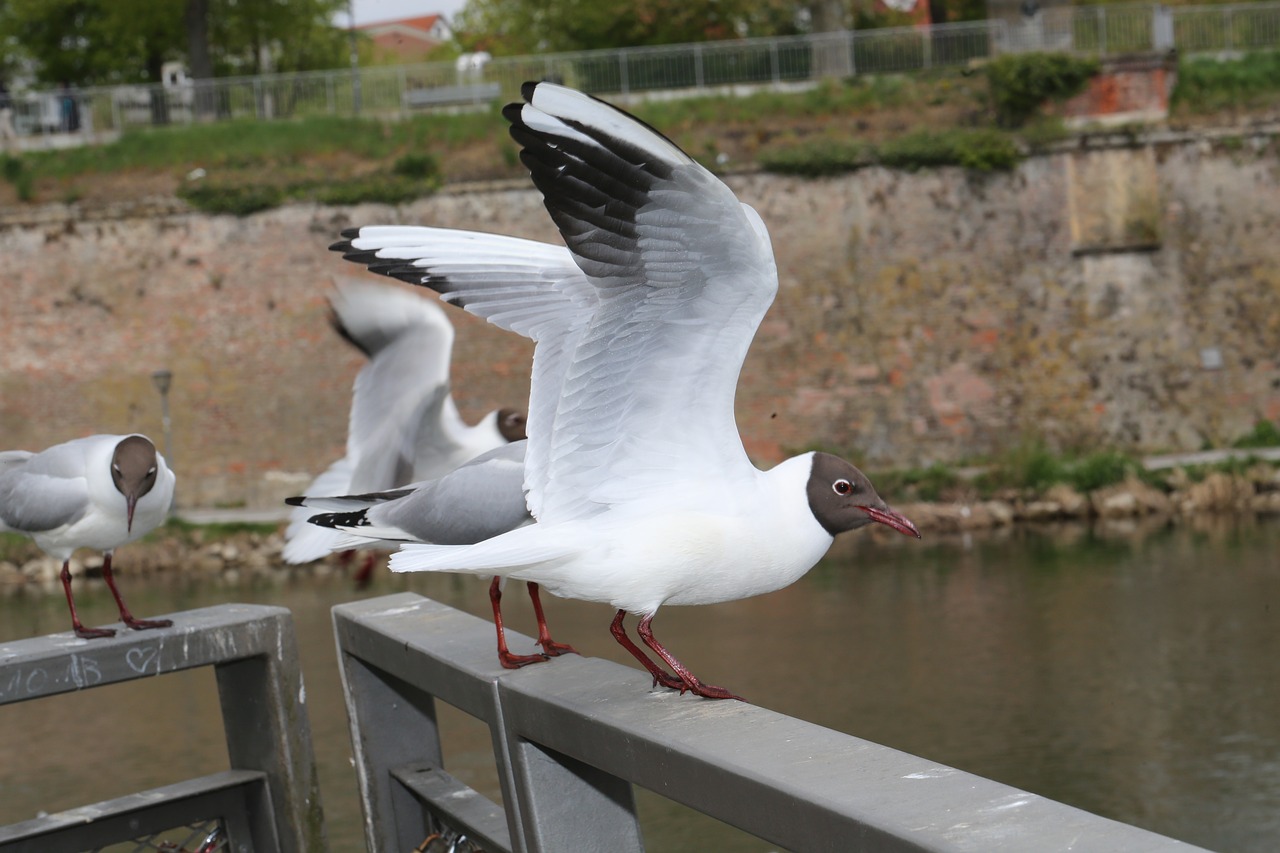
<point x="921" y="317"/>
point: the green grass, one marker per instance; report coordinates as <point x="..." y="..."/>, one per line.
<point x="1264" y="434"/>
<point x="817" y="157"/>
<point x="1032" y="466"/>
<point x="245" y="144"/>
<point x="980" y="149"/>
<point x="177" y="527"/>
<point x="253" y="165"/>
<point x="1207" y="85"/>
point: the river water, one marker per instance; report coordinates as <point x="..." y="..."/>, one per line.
<point x="1132" y="673"/>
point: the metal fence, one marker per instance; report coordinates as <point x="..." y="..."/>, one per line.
<point x="705" y="66"/>
<point x="572" y="736"/>
<point x="268" y="802"/>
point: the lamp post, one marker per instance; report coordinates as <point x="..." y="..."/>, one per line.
<point x="162" y="379"/>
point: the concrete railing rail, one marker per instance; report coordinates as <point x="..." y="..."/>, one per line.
<point x="572" y="736"/>
<point x="269" y="799"/>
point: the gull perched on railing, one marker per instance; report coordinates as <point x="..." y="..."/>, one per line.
<point x="404" y="426"/>
<point x="635" y="473"/>
<point x="98" y="492"/>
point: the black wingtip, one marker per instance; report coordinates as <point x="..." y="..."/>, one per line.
<point x="350" y="233"/>
<point x="341" y="246"/>
<point x="361" y="256"/>
<point x="296" y="501"/>
<point x="526" y="89"/>
<point x="338" y="519"/>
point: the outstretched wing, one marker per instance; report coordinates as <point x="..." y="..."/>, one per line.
<point x="528" y="287"/>
<point x="642" y="325"/>
<point x="683" y="272"/>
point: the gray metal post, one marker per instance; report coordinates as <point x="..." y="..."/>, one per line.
<point x="255" y="659"/>
<point x="267" y="729"/>
<point x="393" y="648"/>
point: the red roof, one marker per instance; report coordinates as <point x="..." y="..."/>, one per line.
<point x="423" y="22"/>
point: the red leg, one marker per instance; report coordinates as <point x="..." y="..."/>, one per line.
<point x="364" y="575"/>
<point x="550" y="646"/>
<point x="508" y="660"/>
<point x="666" y="679"/>
<point x="81" y="630"/>
<point x="691" y="682"/>
<point x="125" y="616"/>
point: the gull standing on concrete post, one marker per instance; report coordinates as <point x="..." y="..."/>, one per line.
<point x="98" y="492"/>
<point x="404" y="426"/>
<point x="635" y="473"/>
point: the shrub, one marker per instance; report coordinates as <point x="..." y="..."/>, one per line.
<point x="15" y="171"/>
<point x="1206" y="84"/>
<point x="1021" y="82"/>
<point x="236" y="199"/>
<point x="815" y="158"/>
<point x="1099" y="469"/>
<point x="418" y="166"/>
<point x="1264" y="434"/>
<point x="381" y="188"/>
<point x="243" y="199"/>
<point x="980" y="149"/>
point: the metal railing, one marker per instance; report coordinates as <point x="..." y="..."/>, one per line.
<point x="67" y="117"/>
<point x="270" y="798"/>
<point x="571" y="737"/>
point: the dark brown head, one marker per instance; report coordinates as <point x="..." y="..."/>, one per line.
<point x="511" y="423"/>
<point x="133" y="469"/>
<point x="842" y="498"/>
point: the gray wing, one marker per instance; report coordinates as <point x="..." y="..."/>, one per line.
<point x="684" y="273"/>
<point x="34" y="497"/>
<point x="403" y="392"/>
<point x="479" y="500"/>
<point x="531" y="288"/>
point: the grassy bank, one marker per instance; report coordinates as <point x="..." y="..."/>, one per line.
<point x="1031" y="468"/>
<point x="979" y="119"/>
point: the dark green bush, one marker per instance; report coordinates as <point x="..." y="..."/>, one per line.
<point x="817" y="157"/>
<point x="417" y="166"/>
<point x="236" y="199"/>
<point x="1099" y="469"/>
<point x="1021" y="82"/>
<point x="380" y="188"/>
<point x="244" y="199"/>
<point x="980" y="149"/>
<point x="1264" y="434"/>
<point x="1206" y="84"/>
<point x="15" y="171"/>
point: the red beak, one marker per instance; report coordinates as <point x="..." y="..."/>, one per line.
<point x="131" y="503"/>
<point x="897" y="521"/>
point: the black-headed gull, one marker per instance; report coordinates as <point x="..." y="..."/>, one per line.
<point x="478" y="500"/>
<point x="635" y="471"/>
<point x="98" y="492"/>
<point x="404" y="426"/>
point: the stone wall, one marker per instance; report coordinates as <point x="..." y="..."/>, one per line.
<point x="1125" y="297"/>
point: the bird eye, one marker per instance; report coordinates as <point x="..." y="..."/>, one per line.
<point x="151" y="470"/>
<point x="842" y="487"/>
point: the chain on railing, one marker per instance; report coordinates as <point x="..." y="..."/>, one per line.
<point x="399" y="90"/>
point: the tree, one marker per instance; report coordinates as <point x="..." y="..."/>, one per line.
<point x="257" y="36"/>
<point x="528" y="26"/>
<point x="88" y="42"/>
<point x="99" y="42"/>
